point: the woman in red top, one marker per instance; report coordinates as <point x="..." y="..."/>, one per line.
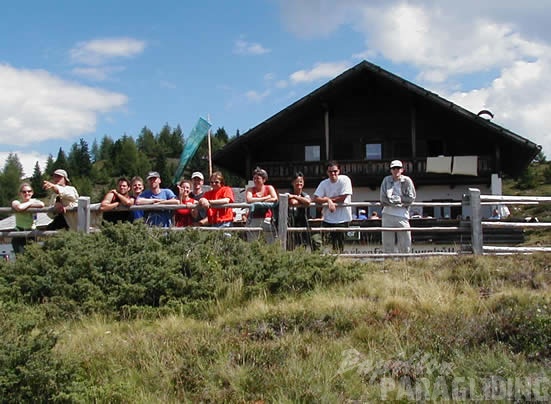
<point x="261" y="197"/>
<point x="220" y="194"/>
<point x="183" y="217"/>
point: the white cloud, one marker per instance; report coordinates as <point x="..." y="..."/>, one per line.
<point x="440" y="44"/>
<point x="519" y="100"/>
<point x="483" y="55"/>
<point x="255" y="96"/>
<point x="99" y="51"/>
<point x="97" y="73"/>
<point x="315" y="18"/>
<point x="27" y="159"/>
<point x="242" y="47"/>
<point x="36" y="106"/>
<point x="319" y="71"/>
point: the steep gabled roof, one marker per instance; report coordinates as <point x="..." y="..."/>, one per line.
<point x="227" y="156"/>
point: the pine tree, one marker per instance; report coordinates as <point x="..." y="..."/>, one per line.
<point x="50" y="166"/>
<point x="94" y="152"/>
<point x="60" y="161"/>
<point x="10" y="179"/>
<point x="79" y="162"/>
<point x="147" y="143"/>
<point x="36" y="182"/>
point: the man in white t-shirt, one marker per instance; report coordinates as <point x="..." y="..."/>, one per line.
<point x="336" y="189"/>
<point x="397" y="194"/>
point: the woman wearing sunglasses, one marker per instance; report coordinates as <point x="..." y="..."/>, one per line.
<point x="24" y="220"/>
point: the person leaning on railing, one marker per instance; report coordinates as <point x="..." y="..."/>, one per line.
<point x="183" y="217"/>
<point x="220" y="194"/>
<point x="336" y="189"/>
<point x="119" y="196"/>
<point x="137" y="188"/>
<point x="262" y="198"/>
<point x="299" y="205"/>
<point x="24" y="220"/>
<point x="64" y="196"/>
<point x="156" y="195"/>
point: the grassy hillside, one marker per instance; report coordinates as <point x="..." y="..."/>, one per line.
<point x="435" y="323"/>
<point x="135" y="315"/>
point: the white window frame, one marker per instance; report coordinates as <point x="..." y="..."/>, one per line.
<point x="312" y="153"/>
<point x="370" y="155"/>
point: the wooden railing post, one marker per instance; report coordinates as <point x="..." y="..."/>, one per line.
<point x="83" y="212"/>
<point x="283" y="219"/>
<point x="476" y="222"/>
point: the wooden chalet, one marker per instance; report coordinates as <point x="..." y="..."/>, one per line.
<point x="366" y="117"/>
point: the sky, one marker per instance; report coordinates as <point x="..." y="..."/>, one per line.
<point x="85" y="69"/>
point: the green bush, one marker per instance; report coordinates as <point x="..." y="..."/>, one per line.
<point x="525" y="325"/>
<point x="127" y="266"/>
<point x="29" y="370"/>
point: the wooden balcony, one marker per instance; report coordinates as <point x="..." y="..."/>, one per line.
<point x="371" y="172"/>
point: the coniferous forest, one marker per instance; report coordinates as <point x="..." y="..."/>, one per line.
<point x="94" y="169"/>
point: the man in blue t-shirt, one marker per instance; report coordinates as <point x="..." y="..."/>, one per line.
<point x="156" y="195"/>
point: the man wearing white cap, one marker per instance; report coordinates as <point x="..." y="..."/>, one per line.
<point x="64" y="196"/>
<point x="397" y="194"/>
<point x="199" y="214"/>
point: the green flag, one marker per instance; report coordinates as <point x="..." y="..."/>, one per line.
<point x="193" y="141"/>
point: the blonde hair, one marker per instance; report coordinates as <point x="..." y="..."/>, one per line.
<point x="25" y="184"/>
<point x="219" y="176"/>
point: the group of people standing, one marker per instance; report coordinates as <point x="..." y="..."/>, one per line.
<point x="207" y="208"/>
<point x="396" y="195"/>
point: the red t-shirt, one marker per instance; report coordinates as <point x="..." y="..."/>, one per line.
<point x="220" y="215"/>
<point x="182" y="217"/>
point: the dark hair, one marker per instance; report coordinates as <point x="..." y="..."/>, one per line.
<point x="332" y="163"/>
<point x="260" y="172"/>
<point x="123" y="179"/>
<point x="296" y="175"/>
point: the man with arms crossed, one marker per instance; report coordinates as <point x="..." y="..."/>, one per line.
<point x="397" y="194"/>
<point x="331" y="191"/>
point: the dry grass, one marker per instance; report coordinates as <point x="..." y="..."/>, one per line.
<point x="407" y="315"/>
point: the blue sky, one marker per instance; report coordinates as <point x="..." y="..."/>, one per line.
<point x="71" y="70"/>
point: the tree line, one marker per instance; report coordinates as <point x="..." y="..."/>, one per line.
<point x="94" y="170"/>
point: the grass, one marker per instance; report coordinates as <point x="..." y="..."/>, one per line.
<point x="436" y="320"/>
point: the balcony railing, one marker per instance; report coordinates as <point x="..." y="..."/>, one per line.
<point x="362" y="168"/>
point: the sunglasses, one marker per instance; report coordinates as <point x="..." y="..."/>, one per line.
<point x="26" y="191"/>
<point x="332" y="171"/>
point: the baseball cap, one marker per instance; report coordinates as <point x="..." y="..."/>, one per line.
<point x="396" y="163"/>
<point x="153" y="174"/>
<point x="197" y="174"/>
<point x="62" y="173"/>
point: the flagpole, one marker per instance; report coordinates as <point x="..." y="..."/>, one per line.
<point x="210" y="150"/>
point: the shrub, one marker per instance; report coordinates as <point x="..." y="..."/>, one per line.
<point x="523" y="324"/>
<point x="127" y="266"/>
<point x="29" y="370"/>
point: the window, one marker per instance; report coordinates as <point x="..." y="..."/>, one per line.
<point x="312" y="153"/>
<point x="373" y="151"/>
